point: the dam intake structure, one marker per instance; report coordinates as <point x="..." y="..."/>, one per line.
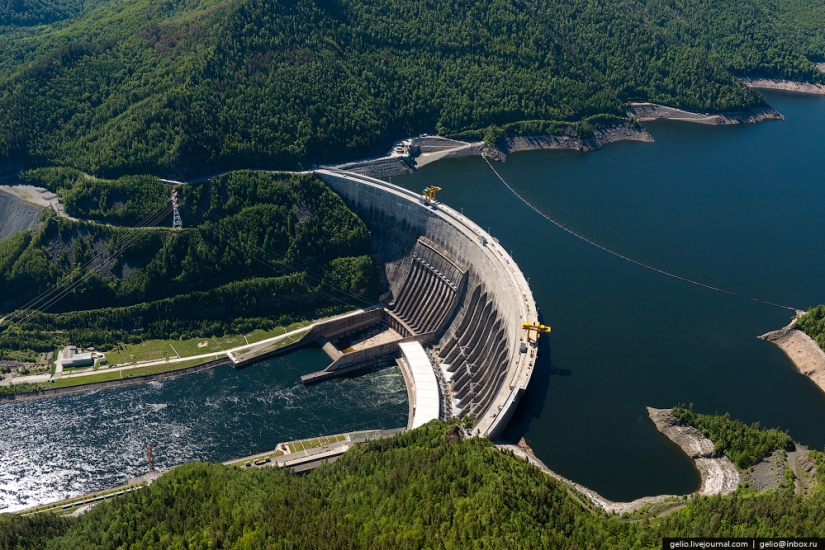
<point x="455" y="297"/>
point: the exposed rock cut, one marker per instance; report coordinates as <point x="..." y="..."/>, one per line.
<point x="16" y="214"/>
<point x="719" y="475"/>
<point x="787" y="85"/>
<point x="429" y="149"/>
<point x="598" y="140"/>
<point x="652" y="111"/>
<point x="767" y="473"/>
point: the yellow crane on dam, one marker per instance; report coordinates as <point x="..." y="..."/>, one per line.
<point x="429" y="193"/>
<point x="538" y="328"/>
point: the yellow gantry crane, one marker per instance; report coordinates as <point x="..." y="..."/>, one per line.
<point x="535" y="327"/>
<point x="429" y="192"/>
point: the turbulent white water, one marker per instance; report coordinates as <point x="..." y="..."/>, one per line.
<point x="57" y="448"/>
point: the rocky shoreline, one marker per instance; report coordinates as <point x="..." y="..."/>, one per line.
<point x="596" y="498"/>
<point x="806" y="354"/>
<point x="428" y="149"/>
<point x="651" y="111"/>
<point x="787" y="85"/>
<point x="719" y="475"/>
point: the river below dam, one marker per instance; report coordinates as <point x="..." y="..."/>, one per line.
<point x="77" y="443"/>
<point x="736" y="207"/>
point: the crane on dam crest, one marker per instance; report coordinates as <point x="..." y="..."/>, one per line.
<point x="538" y="328"/>
<point x="429" y="194"/>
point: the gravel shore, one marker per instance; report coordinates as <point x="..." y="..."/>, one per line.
<point x="802" y="350"/>
<point x="719" y="475"/>
<point x="787" y="85"/>
<point x="651" y="111"/>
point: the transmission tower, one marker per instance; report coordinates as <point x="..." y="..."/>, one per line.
<point x="176" y="221"/>
<point x="150" y="457"/>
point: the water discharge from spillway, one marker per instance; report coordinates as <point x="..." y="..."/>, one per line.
<point x="614" y="253"/>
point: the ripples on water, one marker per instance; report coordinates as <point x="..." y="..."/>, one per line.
<point x="57" y="448"/>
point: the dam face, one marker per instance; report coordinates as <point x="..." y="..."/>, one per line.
<point x="454" y="289"/>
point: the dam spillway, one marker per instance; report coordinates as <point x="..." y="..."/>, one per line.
<point x="455" y="290"/>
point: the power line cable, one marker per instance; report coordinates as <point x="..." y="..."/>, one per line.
<point x="55" y="294"/>
<point x="614" y="253"/>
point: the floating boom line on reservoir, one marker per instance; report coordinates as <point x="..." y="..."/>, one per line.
<point x="618" y="255"/>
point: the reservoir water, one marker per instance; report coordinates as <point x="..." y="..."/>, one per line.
<point x="736" y="207"/>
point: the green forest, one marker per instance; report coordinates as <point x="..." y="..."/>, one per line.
<point x="419" y="489"/>
<point x="256" y="250"/>
<point x="812" y="323"/>
<point x="116" y="87"/>
<point x="744" y="445"/>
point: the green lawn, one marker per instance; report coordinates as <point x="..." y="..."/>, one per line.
<point x="152" y="350"/>
<point x="258" y="335"/>
<point x="244" y="356"/>
<point x="307" y="444"/>
<point x="116" y="375"/>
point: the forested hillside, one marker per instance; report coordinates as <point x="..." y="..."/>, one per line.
<point x="813" y="324"/>
<point x="416" y="490"/>
<point x="256" y="249"/>
<point x="195" y="86"/>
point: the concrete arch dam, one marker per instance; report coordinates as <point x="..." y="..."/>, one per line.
<point x="454" y="291"/>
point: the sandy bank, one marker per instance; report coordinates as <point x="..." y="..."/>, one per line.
<point x="802" y="350"/>
<point x="787" y="85"/>
<point x="651" y="111"/>
<point x="719" y="475"/>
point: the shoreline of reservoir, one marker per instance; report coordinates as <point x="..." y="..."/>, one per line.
<point x="801" y="349"/>
<point x="719" y="475"/>
<point x="784" y="85"/>
<point x="645" y="112"/>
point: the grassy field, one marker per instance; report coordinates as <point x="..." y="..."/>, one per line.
<point x="105" y="376"/>
<point x="307" y="444"/>
<point x="258" y="335"/>
<point x="153" y="350"/>
<point x="244" y="356"/>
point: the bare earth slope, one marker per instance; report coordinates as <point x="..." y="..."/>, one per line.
<point x="16" y="214"/>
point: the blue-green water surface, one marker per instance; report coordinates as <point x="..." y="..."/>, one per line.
<point x="736" y="207"/>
